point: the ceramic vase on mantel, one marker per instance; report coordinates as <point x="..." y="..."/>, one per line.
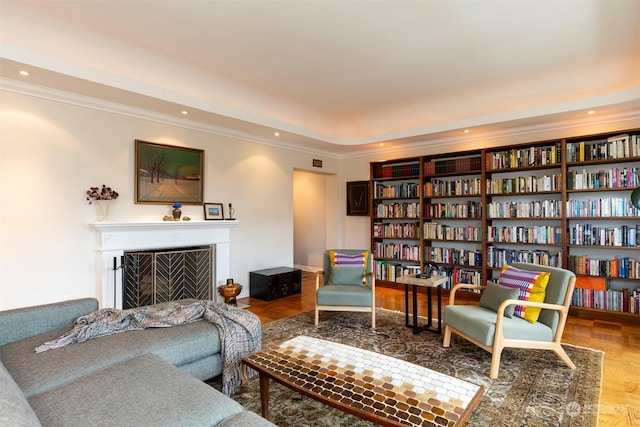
<point x="177" y="213"/>
<point x="102" y="209"/>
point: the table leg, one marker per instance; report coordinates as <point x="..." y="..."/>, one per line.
<point x="439" y="309"/>
<point x="429" y="309"/>
<point x="264" y="395"/>
<point x="415" y="309"/>
<point x="406" y="305"/>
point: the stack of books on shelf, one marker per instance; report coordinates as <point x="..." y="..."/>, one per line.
<point x="391" y="191"/>
<point x="523" y="157"/>
<point x="396" y="170"/>
<point x="588" y="234"/>
<point x="498" y="257"/>
<point x="397" y="230"/>
<point x="458" y="187"/>
<point x="626" y="177"/>
<point x="460" y="165"/>
<point x="624" y="300"/>
<point x="469" y="209"/>
<point x="615" y="147"/>
<point x="622" y="267"/>
<point x="524" y="184"/>
<point x="603" y="207"/>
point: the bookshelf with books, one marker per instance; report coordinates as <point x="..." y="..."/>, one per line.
<point x="562" y="203"/>
<point x="524" y="199"/>
<point x="395" y="225"/>
<point x="452" y="217"/>
<point x="603" y="227"/>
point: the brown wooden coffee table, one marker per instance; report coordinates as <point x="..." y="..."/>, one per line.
<point x="372" y="386"/>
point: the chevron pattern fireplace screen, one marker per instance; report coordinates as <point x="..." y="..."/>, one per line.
<point x="151" y="277"/>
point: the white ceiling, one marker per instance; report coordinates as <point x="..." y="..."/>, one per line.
<point x="336" y="76"/>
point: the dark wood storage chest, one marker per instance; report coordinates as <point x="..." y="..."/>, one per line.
<point x="273" y="283"/>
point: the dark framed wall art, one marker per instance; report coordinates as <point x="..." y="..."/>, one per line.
<point x="358" y="198"/>
<point x="168" y="174"/>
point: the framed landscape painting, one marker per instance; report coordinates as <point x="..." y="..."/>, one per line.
<point x="166" y="174"/>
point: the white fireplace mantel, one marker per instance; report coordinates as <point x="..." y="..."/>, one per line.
<point x="116" y="238"/>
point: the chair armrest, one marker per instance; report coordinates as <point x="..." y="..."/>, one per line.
<point x="544" y="305"/>
<point x="318" y="279"/>
<point x="452" y="295"/>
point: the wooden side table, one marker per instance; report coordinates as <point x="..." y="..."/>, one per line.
<point x="430" y="283"/>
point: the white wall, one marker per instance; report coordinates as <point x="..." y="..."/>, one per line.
<point x="51" y="152"/>
<point x="310" y="219"/>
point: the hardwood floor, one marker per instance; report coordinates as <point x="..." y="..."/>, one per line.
<point x="620" y="399"/>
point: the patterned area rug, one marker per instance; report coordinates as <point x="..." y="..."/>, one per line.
<point x="534" y="387"/>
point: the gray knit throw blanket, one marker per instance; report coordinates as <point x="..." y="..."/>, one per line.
<point x="240" y="330"/>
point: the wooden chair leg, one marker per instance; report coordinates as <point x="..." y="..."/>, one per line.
<point x="564" y="356"/>
<point x="495" y="363"/>
<point x="373" y="318"/>
<point x="446" y="336"/>
<point x="317" y="317"/>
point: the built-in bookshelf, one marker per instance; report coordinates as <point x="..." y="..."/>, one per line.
<point x="563" y="203"/>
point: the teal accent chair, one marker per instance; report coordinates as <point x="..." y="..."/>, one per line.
<point x="332" y="295"/>
<point x="493" y="331"/>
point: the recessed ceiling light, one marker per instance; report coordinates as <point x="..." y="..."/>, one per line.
<point x="23" y="72"/>
<point x="466" y="131"/>
<point x="184" y="112"/>
<point x="591" y="112"/>
<point x="381" y="144"/>
<point x="277" y="134"/>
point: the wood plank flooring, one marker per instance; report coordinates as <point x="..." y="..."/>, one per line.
<point x="620" y="399"/>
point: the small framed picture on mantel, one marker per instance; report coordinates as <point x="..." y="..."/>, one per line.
<point x="358" y="198"/>
<point x="213" y="211"/>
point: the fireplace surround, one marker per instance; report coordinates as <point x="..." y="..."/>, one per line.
<point x="116" y="238"/>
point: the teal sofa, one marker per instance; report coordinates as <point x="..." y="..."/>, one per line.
<point x="152" y="377"/>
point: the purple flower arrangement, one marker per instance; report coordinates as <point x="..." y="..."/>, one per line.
<point x="104" y="193"/>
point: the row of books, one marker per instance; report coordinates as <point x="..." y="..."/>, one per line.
<point x="468" y="209"/>
<point x="524" y="184"/>
<point x="453" y="256"/>
<point x="623" y="267"/>
<point x="523" y="157"/>
<point x="405" y="189"/>
<point x="533" y="209"/>
<point x="396" y="251"/>
<point x="457" y="187"/>
<point x="397" y="170"/>
<point x="497" y="257"/>
<point x="589" y="234"/>
<point x="604" y="207"/>
<point x="540" y="234"/>
<point x="397" y="210"/>
<point x="436" y="231"/>
<point x="387" y="270"/>
<point x="461" y="165"/>
<point x="612" y="178"/>
<point x="403" y="230"/>
<point x="615" y="147"/>
<point x="626" y="301"/>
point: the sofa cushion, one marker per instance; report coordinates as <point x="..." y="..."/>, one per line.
<point x="14" y="409"/>
<point x="344" y="295"/>
<point x="143" y="391"/>
<point x="480" y="324"/>
<point x="246" y="419"/>
<point x="348" y="268"/>
<point x="39" y="372"/>
<point x="494" y="294"/>
<point x="25" y="322"/>
<point x="532" y="286"/>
